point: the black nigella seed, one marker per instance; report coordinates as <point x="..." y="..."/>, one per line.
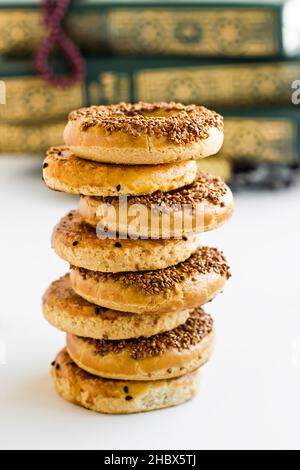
<point x="185" y="238"/>
<point x="45" y="165"/>
<point x="75" y="243"/>
<point x="57" y="367"/>
<point x="118" y="245"/>
<point x="59" y="153"/>
<point x="53" y="363"/>
<point x="128" y="398"/>
<point x="118" y="187"/>
<point x="126" y="389"/>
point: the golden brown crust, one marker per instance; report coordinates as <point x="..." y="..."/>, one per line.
<point x="204" y="205"/>
<point x="78" y="243"/>
<point x="119" y="397"/>
<point x="65" y="172"/>
<point x="68" y="312"/>
<point x="144" y="133"/>
<point x="166" y="355"/>
<point x="179" y="123"/>
<point x="185" y="286"/>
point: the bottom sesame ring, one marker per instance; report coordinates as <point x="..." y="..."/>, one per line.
<point x="68" y="312"/>
<point x="166" y="355"/>
<point x="119" y="397"/>
<point x="191" y="283"/>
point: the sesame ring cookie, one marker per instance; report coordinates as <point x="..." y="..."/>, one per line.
<point x="115" y="396"/>
<point x="65" y="172"/>
<point x="202" y="206"/>
<point x="78" y="243"/>
<point x="68" y="312"/>
<point x="144" y="134"/>
<point x="166" y="355"/>
<point x="191" y="283"/>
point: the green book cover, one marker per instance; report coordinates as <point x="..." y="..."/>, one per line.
<point x="218" y="85"/>
<point x="196" y="28"/>
<point x="262" y="136"/>
<point x="30" y="138"/>
<point x="265" y="135"/>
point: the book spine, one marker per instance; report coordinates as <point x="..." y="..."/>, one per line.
<point x="31" y="99"/>
<point x="217" y="166"/>
<point x="21" y="32"/>
<point x="200" y="31"/>
<point x="262" y="139"/>
<point x="20" y="139"/>
<point x="218" y="86"/>
<point x="265" y="137"/>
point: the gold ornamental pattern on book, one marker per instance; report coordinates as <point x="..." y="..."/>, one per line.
<point x="261" y="139"/>
<point x="195" y="32"/>
<point x="35" y="138"/>
<point x="228" y="86"/>
<point x="20" y="31"/>
<point x="207" y="32"/>
<point x="113" y="88"/>
<point x="32" y="99"/>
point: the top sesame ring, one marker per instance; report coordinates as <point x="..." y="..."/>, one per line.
<point x="144" y="134"/>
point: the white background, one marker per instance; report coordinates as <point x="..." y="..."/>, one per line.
<point x="249" y="397"/>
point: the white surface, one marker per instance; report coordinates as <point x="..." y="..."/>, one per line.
<point x="250" y="391"/>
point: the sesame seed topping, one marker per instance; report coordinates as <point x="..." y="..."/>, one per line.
<point x="204" y="261"/>
<point x="206" y="188"/>
<point x="63" y="152"/>
<point x="178" y="123"/>
<point x="74" y="230"/>
<point x="197" y="327"/>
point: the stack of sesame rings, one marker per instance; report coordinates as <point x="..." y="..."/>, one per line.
<point x="132" y="304"/>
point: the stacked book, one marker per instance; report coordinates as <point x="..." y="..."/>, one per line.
<point x="239" y="57"/>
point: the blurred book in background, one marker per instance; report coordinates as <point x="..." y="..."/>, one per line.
<point x="218" y="85"/>
<point x="159" y="27"/>
<point x="30" y="138"/>
<point x="263" y="148"/>
<point x="239" y="58"/>
<point x="217" y="166"/>
<point x="262" y="136"/>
